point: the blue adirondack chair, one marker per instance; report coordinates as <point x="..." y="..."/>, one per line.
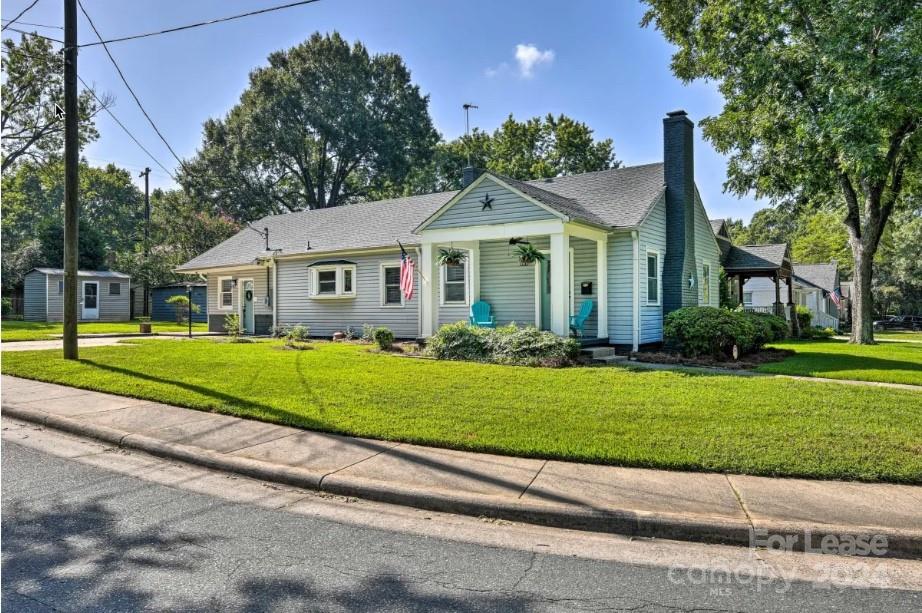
<point x="480" y="315"/>
<point x="578" y="321"/>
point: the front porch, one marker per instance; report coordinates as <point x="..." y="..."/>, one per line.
<point x="544" y="294"/>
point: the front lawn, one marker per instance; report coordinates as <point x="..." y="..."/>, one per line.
<point x="672" y="420"/>
<point x="836" y="359"/>
<point x="897" y="335"/>
<point x="18" y="330"/>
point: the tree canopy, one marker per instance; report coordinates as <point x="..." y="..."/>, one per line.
<point x="325" y="123"/>
<point x="821" y="105"/>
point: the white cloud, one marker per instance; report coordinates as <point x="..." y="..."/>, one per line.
<point x="529" y="56"/>
<point x="527" y="59"/>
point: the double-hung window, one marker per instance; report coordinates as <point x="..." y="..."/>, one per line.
<point x="454" y="283"/>
<point x="225" y="292"/>
<point x="747" y="298"/>
<point x="333" y="281"/>
<point x="391" y="294"/>
<point x="706" y="284"/>
<point x="652" y="277"/>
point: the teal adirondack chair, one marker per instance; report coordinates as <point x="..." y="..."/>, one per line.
<point x="578" y="321"/>
<point x="480" y="315"/>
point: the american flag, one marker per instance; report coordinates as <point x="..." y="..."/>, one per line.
<point x="406" y="273"/>
<point x="836" y="297"/>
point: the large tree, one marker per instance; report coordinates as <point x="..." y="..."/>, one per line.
<point x="822" y="103"/>
<point x="536" y="148"/>
<point x="324" y="124"/>
<point x="33" y="84"/>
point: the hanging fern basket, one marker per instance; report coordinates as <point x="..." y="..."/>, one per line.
<point x="528" y="255"/>
<point x="451" y="256"/>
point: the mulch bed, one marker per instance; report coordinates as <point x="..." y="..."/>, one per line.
<point x="746" y="362"/>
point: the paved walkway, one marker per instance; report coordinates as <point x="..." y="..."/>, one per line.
<point x="83" y="341"/>
<point x="666" y="504"/>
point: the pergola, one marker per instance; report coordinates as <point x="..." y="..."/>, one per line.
<point x="774" y="261"/>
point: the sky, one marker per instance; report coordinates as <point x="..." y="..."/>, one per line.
<point x="588" y="59"/>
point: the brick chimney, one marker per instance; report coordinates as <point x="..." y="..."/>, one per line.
<point x="679" y="174"/>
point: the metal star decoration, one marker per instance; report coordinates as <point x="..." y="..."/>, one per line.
<point x="487" y="203"/>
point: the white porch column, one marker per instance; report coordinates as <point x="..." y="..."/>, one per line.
<point x="560" y="283"/>
<point x="475" y="270"/>
<point x="601" y="267"/>
<point x="428" y="289"/>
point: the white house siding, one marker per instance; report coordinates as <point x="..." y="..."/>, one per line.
<point x="652" y="236"/>
<point x="111" y="308"/>
<point x="326" y="316"/>
<point x="620" y="288"/>
<point x="763" y="292"/>
<point x="34" y="297"/>
<point x="707" y="251"/>
<point x="261" y="289"/>
<point x="507" y="207"/>
<point x="507" y="286"/>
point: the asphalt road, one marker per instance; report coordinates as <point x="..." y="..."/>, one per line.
<point x="78" y="536"/>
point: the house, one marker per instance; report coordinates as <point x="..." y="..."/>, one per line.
<point x="635" y="241"/>
<point x="161" y="310"/>
<point x="813" y="286"/>
<point x="102" y="295"/>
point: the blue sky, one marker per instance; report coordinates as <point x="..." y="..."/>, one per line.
<point x="588" y="59"/>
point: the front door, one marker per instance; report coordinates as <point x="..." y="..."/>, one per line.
<point x="247" y="321"/>
<point x="546" y="293"/>
<point x="90" y="300"/>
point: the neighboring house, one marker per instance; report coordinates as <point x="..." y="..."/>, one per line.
<point x="813" y="284"/>
<point x="102" y="295"/>
<point x="161" y="310"/>
<point x="636" y="241"/>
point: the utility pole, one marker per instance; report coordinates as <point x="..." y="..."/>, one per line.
<point x="71" y="159"/>
<point x="146" y="175"/>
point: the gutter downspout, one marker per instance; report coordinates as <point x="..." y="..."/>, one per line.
<point x="275" y="292"/>
<point x="635" y="319"/>
<point x="419" y="298"/>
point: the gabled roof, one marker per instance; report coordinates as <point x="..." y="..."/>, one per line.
<point x="756" y="257"/>
<point x="820" y="275"/>
<point x="616" y="198"/>
<point x="85" y="273"/>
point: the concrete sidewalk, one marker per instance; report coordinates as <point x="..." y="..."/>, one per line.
<point x="649" y="503"/>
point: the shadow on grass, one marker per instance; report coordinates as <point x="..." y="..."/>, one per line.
<point x="816" y="361"/>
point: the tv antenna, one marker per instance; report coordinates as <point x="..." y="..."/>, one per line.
<point x="467" y="127"/>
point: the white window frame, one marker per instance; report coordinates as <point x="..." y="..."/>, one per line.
<point x="383" y="287"/>
<point x="443" y="273"/>
<point x="119" y="283"/>
<point x="221" y="293"/>
<point x="745" y="302"/>
<point x="659" y="277"/>
<point x="339" y="292"/>
<point x="706" y="275"/>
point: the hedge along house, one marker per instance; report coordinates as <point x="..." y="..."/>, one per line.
<point x="102" y="295"/>
<point x="635" y="241"/>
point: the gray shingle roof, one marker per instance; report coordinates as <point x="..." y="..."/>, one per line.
<point x="756" y="257"/>
<point x="619" y="197"/>
<point x="716" y="225"/>
<point x="114" y="274"/>
<point x="352" y="226"/>
<point x="820" y="275"/>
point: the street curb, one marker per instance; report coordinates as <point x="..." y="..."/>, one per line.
<point x="901" y="544"/>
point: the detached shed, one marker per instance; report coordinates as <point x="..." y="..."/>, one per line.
<point x="102" y="295"/>
<point x="162" y="311"/>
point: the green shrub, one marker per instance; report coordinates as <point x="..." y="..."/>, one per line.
<point x="298" y="333"/>
<point x="180" y="304"/>
<point x="232" y="325"/>
<point x="459" y="341"/>
<point x="817" y="333"/>
<point x="510" y="345"/>
<point x="7" y="307"/>
<point x="384" y="337"/>
<point x="804" y="317"/>
<point x="368" y="333"/>
<point x="711" y="331"/>
<point x="769" y="328"/>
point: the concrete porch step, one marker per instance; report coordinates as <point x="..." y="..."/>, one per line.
<point x="612" y="359"/>
<point x="598" y="352"/>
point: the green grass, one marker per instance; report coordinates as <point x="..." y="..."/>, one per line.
<point x="17" y="330"/>
<point x="671" y="420"/>
<point x="904" y="335"/>
<point x="834" y="359"/>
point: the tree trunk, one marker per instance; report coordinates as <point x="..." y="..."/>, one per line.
<point x="862" y="300"/>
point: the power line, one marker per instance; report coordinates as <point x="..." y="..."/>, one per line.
<point x="21" y="13"/>
<point x="29" y="23"/>
<point x="17" y="30"/>
<point x="125" y="81"/>
<point x="200" y="24"/>
<point x="127" y="131"/>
